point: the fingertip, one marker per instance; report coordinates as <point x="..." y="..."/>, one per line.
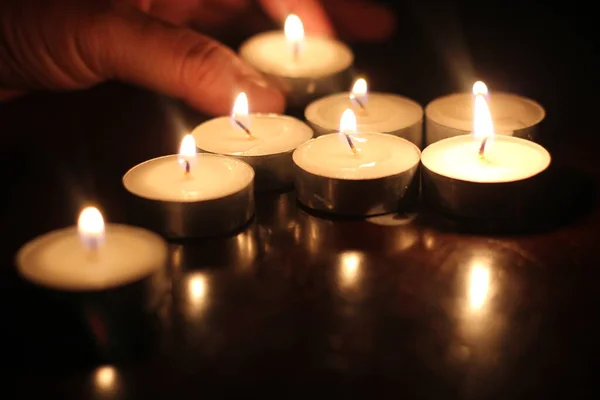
<point x="263" y="97"/>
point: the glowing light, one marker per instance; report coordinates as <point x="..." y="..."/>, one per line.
<point x="293" y="28"/>
<point x="187" y="152"/>
<point x="240" y="114"/>
<point x="483" y="126"/>
<point x="480" y="88"/>
<point x="479" y="286"/>
<point x="105" y="378"/>
<point x="359" y="92"/>
<point x="350" y="268"/>
<point x="197" y="288"/>
<point x="90" y="227"/>
<point x="348" y="122"/>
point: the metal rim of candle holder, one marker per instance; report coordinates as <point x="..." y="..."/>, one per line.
<point x="516" y="200"/>
<point x="435" y="131"/>
<point x="272" y="172"/>
<point x="300" y="91"/>
<point x="357" y="197"/>
<point x="196" y="219"/>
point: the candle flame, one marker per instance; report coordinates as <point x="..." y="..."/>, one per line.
<point x="483" y="127"/>
<point x="187" y="153"/>
<point x="479" y="286"/>
<point x="480" y="88"/>
<point x="293" y="28"/>
<point x="240" y="116"/>
<point x="348" y="122"/>
<point x="348" y="129"/>
<point x="359" y="92"/>
<point x="90" y="227"/>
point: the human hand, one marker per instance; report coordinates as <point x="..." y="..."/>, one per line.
<point x="70" y="44"/>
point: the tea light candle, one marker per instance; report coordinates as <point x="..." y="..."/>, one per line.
<point x="102" y="283"/>
<point x="453" y="115"/>
<point x="483" y="175"/>
<point x="191" y="195"/>
<point x="92" y="256"/>
<point x="305" y="67"/>
<point x="375" y="112"/>
<point x="352" y="174"/>
<point x="265" y="141"/>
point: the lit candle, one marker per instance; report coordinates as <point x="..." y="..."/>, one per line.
<point x="483" y="175"/>
<point x="92" y="256"/>
<point x="351" y="174"/>
<point x="375" y="112"/>
<point x="265" y="141"/>
<point x="453" y="115"/>
<point x="191" y="195"/>
<point x="306" y="67"/>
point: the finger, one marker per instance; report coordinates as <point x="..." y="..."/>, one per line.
<point x="311" y="12"/>
<point x="179" y="62"/>
<point x="361" y="19"/>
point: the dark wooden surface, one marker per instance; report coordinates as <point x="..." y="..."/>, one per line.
<point x="283" y="314"/>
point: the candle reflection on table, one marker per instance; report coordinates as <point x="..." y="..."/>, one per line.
<point x="105" y="380"/>
<point x="479" y="285"/>
<point x="350" y="269"/>
<point x="197" y="288"/>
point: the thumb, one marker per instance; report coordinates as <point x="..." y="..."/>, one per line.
<point x="133" y="47"/>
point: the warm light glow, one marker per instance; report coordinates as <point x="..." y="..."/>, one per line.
<point x="480" y="88"/>
<point x="240" y="106"/>
<point x="350" y="268"/>
<point x="483" y="126"/>
<point x="479" y="285"/>
<point x="293" y="28"/>
<point x="90" y="226"/>
<point x="359" y="92"/>
<point x="105" y="378"/>
<point x="240" y="113"/>
<point x="348" y="122"/>
<point x="197" y="288"/>
<point x="187" y="152"/>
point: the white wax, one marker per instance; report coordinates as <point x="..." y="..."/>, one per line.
<point x="509" y="112"/>
<point x="59" y="260"/>
<point x="212" y="176"/>
<point x="506" y="159"/>
<point x="270" y="52"/>
<point x="385" y="112"/>
<point x="379" y="156"/>
<point x="271" y="134"/>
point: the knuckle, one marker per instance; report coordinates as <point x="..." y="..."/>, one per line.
<point x="200" y="63"/>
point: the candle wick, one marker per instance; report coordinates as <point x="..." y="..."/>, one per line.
<point x="296" y="50"/>
<point x="187" y="167"/>
<point x="482" y="147"/>
<point x="351" y="144"/>
<point x="243" y="127"/>
<point x="360" y="103"/>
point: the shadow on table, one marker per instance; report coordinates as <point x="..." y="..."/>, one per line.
<point x="571" y="196"/>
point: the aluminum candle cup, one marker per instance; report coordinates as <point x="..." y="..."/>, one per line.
<point x="375" y="112"/>
<point x="507" y="183"/>
<point x="375" y="180"/>
<point x="452" y="115"/>
<point x="268" y="149"/>
<point x="305" y="68"/>
<point x="216" y="196"/>
<point x="103" y="285"/>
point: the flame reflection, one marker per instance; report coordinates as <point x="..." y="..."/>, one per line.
<point x="479" y="286"/>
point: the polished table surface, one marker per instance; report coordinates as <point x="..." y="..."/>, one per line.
<point x="296" y="303"/>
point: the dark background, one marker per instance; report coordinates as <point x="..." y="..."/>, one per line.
<point x="277" y="322"/>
